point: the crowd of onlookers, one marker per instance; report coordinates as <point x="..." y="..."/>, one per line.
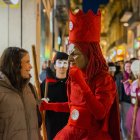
<point x="122" y="74"/>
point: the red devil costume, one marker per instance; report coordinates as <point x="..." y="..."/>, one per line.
<point x="91" y="92"/>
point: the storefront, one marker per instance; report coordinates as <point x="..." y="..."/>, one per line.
<point x="18" y="26"/>
<point x="117" y="53"/>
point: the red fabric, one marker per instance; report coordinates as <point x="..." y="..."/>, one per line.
<point x="93" y="89"/>
<point x="85" y="27"/>
<point x="84" y="113"/>
<point x="114" y="120"/>
<point x="98" y="101"/>
<point x="57" y="107"/>
<point x="70" y="133"/>
<point x="50" y="80"/>
<point x="99" y="109"/>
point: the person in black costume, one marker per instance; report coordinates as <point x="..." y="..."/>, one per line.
<point x="55" y="121"/>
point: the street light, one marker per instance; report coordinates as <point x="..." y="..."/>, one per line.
<point x="125" y="24"/>
<point x="11" y="1"/>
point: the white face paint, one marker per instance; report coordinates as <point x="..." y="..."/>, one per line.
<point x="62" y="63"/>
<point x="112" y="68"/>
<point x="76" y="57"/>
<point x="70" y="48"/>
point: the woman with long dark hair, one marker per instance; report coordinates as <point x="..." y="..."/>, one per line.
<point x="18" y="114"/>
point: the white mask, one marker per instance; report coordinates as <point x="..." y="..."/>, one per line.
<point x="62" y="63"/>
<point x="112" y="68"/>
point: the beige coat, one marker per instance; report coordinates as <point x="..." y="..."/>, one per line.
<point x="18" y="116"/>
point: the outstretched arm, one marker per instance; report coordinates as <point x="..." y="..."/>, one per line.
<point x="57" y="107"/>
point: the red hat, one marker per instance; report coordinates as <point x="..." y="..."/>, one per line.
<point x="84" y="27"/>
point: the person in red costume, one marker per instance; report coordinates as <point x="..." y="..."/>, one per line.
<point x="92" y="98"/>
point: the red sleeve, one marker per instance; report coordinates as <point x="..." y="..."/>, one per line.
<point x="99" y="102"/>
<point x="57" y="107"/>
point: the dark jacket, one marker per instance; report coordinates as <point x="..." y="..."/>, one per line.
<point x="120" y="88"/>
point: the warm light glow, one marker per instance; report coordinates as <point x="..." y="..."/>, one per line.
<point x="44" y="10"/>
<point x="104" y="42"/>
<point x="119" y="51"/>
<point x="126" y="24"/>
<point x="131" y="56"/>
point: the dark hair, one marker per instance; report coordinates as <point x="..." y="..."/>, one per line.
<point x="126" y="62"/>
<point x="61" y="56"/>
<point x="111" y="64"/>
<point x="10" y="65"/>
<point x="133" y="59"/>
<point x="132" y="77"/>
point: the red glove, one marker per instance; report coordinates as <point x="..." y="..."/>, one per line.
<point x="43" y="106"/>
<point x="77" y="76"/>
<point x="57" y="107"/>
<point x="75" y="73"/>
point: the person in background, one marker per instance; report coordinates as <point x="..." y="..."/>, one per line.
<point x="133" y="89"/>
<point x="133" y="59"/>
<point x="118" y="69"/>
<point x="123" y="98"/>
<point x="112" y="69"/>
<point x="121" y="64"/>
<point x="90" y="88"/>
<point x="18" y="113"/>
<point x="138" y="54"/>
<point x="42" y="75"/>
<point x="57" y="92"/>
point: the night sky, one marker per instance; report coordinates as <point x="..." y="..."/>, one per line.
<point x="93" y="4"/>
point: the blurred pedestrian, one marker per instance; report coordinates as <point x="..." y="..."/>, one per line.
<point x="120" y="64"/>
<point x="112" y="69"/>
<point x="133" y="89"/>
<point x="124" y="99"/>
<point x="42" y="75"/>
